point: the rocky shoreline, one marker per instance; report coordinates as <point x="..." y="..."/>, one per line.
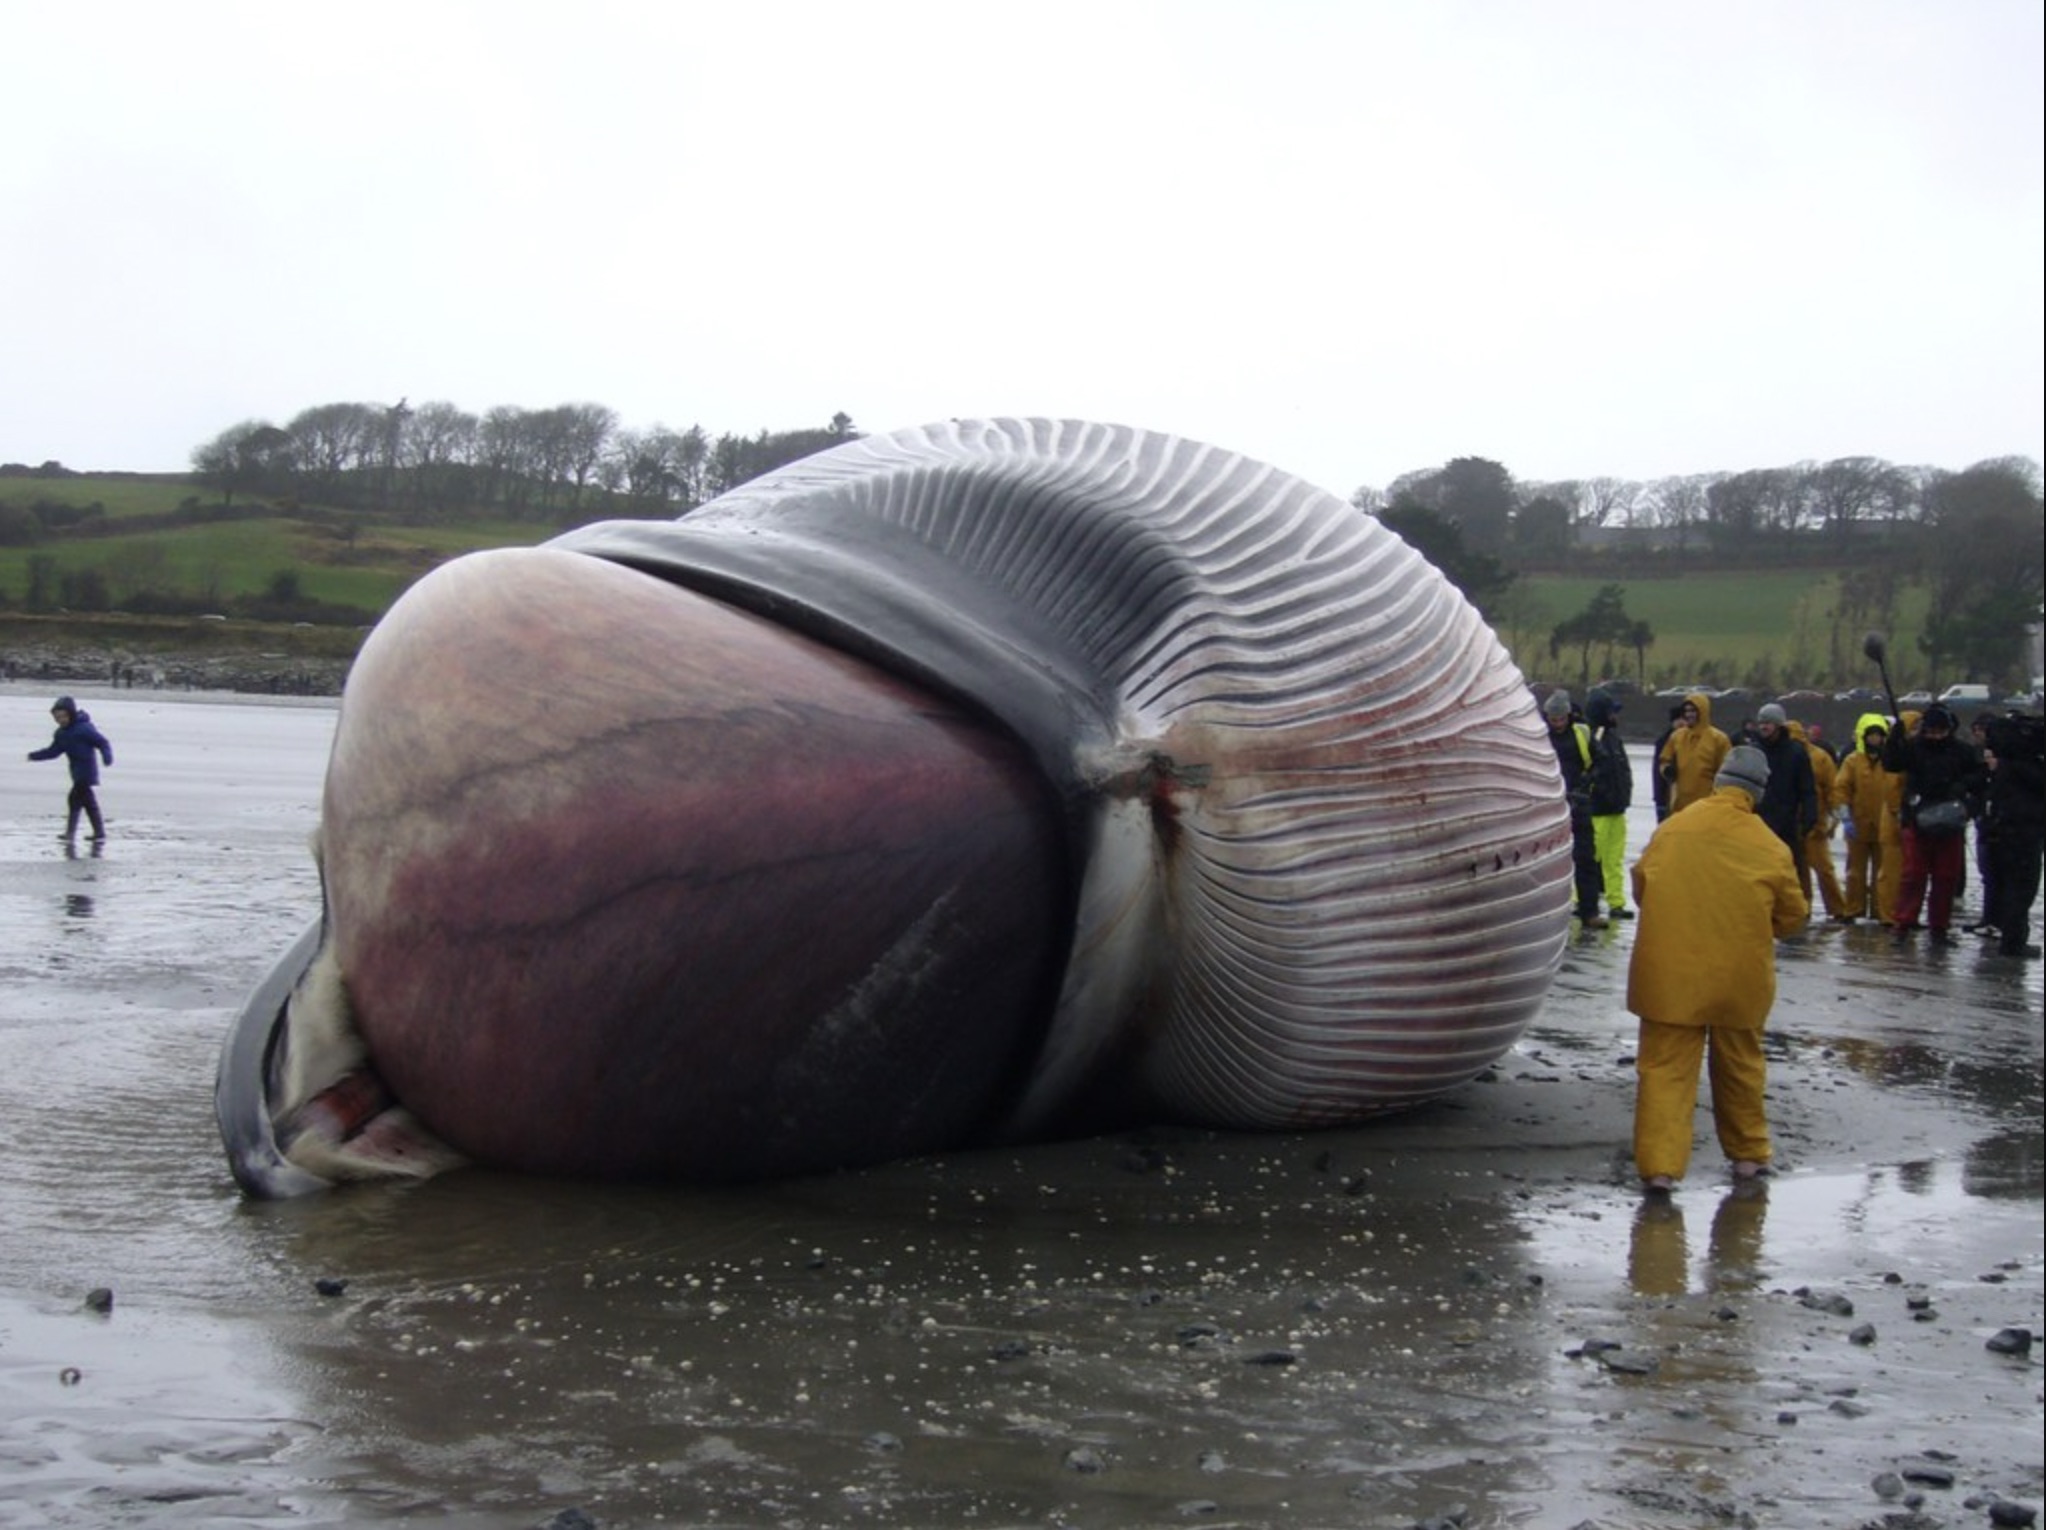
<point x="61" y="666"/>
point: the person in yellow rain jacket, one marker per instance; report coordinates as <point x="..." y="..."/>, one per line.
<point x="1818" y="843"/>
<point x="1862" y="788"/>
<point x="1693" y="754"/>
<point x="1889" y="891"/>
<point x="1714" y="890"/>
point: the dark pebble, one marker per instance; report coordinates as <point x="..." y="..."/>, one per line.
<point x="1994" y="1278"/>
<point x="1918" y="1303"/>
<point x="1925" y="1315"/>
<point x="327" y="1285"/>
<point x="99" y="1299"/>
<point x="1929" y="1476"/>
<point x="571" y="1519"/>
<point x="1847" y="1407"/>
<point x="1084" y="1459"/>
<point x="1271" y="1357"/>
<point x="70" y="1376"/>
<point x="1862" y="1333"/>
<point x="881" y="1442"/>
<point x="1629" y="1362"/>
<point x="2010" y="1341"/>
<point x="1011" y="1349"/>
<point x="1196" y="1334"/>
<point x="2006" y="1511"/>
<point x="1826" y="1301"/>
<point x="1888" y="1485"/>
<point x="1786" y="1417"/>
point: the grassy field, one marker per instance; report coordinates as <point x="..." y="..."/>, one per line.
<point x="121" y="495"/>
<point x="1770" y="629"/>
<point x="220" y="560"/>
<point x="1773" y="629"/>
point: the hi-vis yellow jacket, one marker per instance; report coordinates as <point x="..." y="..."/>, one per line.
<point x="1715" y="888"/>
<point x="1863" y="786"/>
<point x="1694" y="755"/>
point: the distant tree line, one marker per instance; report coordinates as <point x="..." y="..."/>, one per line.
<point x="1975" y="537"/>
<point x="439" y="462"/>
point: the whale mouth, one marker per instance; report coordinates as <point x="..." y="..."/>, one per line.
<point x="300" y="1105"/>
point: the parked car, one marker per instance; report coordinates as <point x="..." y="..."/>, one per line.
<point x="1859" y="693"/>
<point x="1915" y="699"/>
<point x="1799" y="698"/>
<point x="1965" y="695"/>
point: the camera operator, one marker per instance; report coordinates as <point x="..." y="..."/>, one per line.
<point x="2014" y="818"/>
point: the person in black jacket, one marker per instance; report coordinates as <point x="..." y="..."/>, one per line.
<point x="1941" y="774"/>
<point x="1658" y="783"/>
<point x="1790" y="804"/>
<point x="1571" y="740"/>
<point x="1612" y="793"/>
<point x="2014" y="816"/>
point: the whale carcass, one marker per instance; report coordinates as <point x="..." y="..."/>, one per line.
<point x="975" y="783"/>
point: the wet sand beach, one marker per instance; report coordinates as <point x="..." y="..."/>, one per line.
<point x="1463" y="1315"/>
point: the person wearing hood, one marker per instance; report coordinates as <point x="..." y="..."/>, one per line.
<point x="78" y="741"/>
<point x="1817" y="860"/>
<point x="1942" y="778"/>
<point x="1861" y="794"/>
<point x="2015" y="816"/>
<point x="1716" y="889"/>
<point x="1571" y="740"/>
<point x="1612" y="793"/>
<point x="1790" y="805"/>
<point x="1694" y="753"/>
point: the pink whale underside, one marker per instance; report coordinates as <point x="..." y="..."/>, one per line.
<point x="628" y="882"/>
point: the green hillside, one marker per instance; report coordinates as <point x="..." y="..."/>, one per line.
<point x="149" y="545"/>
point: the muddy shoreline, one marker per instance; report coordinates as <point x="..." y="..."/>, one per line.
<point x="1463" y="1315"/>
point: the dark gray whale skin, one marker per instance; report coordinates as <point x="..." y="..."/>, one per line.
<point x="1315" y="852"/>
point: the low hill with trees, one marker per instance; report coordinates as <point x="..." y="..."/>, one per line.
<point x="1763" y="578"/>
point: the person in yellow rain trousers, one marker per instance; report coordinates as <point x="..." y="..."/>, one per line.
<point x="1889" y="891"/>
<point x="1693" y="754"/>
<point x="1861" y="791"/>
<point x="1714" y="890"/>
<point x="1818" y="842"/>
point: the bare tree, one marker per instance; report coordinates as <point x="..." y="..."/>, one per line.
<point x="1849" y="491"/>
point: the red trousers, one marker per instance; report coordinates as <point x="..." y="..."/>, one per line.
<point x="1937" y="860"/>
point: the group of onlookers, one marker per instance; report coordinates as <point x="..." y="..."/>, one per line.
<point x="1906" y="797"/>
<point x="1743" y="831"/>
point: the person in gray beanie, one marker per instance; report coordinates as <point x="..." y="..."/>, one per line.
<point x="1571" y="740"/>
<point x="1790" y="805"/>
<point x="1715" y="890"/>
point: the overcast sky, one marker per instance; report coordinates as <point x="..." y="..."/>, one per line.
<point x="1350" y="238"/>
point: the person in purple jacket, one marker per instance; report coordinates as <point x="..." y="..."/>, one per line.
<point x="84" y="746"/>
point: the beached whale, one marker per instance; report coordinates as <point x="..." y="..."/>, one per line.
<point x="975" y="783"/>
